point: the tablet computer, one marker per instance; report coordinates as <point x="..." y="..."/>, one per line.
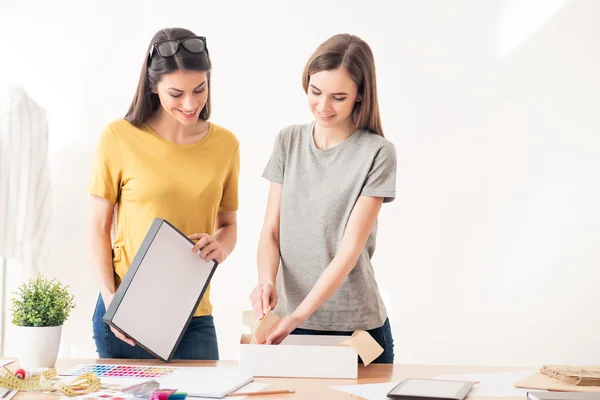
<point x="430" y="389"/>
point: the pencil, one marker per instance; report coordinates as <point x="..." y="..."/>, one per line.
<point x="263" y="392"/>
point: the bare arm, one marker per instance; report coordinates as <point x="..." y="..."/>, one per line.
<point x="219" y="246"/>
<point x="226" y="231"/>
<point x="268" y="245"/>
<point x="360" y="224"/>
<point x="99" y="245"/>
<point x="264" y="296"/>
<point x="100" y="252"/>
<point x="361" y="221"/>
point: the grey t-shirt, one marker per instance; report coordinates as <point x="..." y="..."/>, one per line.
<point x="320" y="188"/>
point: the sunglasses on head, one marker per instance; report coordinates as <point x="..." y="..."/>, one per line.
<point x="168" y="48"/>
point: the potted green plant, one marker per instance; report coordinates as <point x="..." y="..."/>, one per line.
<point x="39" y="309"/>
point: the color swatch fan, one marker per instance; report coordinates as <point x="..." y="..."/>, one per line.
<point x="122" y="371"/>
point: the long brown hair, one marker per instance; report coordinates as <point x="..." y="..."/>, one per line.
<point x="145" y="103"/>
<point x="355" y="56"/>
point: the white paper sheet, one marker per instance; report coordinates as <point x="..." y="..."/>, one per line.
<point x="251" y="387"/>
<point x="500" y="384"/>
<point x="110" y="388"/>
<point x="371" y="391"/>
<point x="183" y="379"/>
<point x="10" y="394"/>
<point x="206" y="381"/>
<point x="491" y="385"/>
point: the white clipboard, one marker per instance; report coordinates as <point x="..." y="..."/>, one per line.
<point x="161" y="290"/>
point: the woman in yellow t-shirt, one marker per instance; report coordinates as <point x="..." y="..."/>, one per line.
<point x="163" y="160"/>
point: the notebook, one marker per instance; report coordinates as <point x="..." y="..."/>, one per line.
<point x="161" y="290"/>
<point x="539" y="395"/>
<point x="430" y="389"/>
<point x="212" y="382"/>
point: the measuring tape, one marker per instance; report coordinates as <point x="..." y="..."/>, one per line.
<point x="83" y="384"/>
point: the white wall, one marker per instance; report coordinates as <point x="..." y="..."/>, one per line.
<point x="490" y="253"/>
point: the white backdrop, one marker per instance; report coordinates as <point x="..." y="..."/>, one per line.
<point x="490" y="253"/>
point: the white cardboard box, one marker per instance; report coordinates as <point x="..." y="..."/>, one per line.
<point x="301" y="356"/>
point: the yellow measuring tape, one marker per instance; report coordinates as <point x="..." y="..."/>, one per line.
<point x="83" y="384"/>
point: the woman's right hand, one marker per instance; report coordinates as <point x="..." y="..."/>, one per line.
<point x="263" y="299"/>
<point x="107" y="298"/>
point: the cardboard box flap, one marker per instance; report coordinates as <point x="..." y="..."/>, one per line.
<point x="361" y="341"/>
<point x="258" y="328"/>
<point x="246" y="338"/>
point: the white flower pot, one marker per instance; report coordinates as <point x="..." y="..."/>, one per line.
<point x="38" y="346"/>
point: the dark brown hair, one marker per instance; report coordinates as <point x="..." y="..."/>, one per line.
<point x="355" y="56"/>
<point x="145" y="103"/>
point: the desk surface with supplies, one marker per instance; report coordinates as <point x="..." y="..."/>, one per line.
<point x="373" y="380"/>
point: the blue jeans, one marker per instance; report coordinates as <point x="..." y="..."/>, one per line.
<point x="199" y="340"/>
<point x="383" y="336"/>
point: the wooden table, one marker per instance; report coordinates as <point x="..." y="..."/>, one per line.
<point x="305" y="388"/>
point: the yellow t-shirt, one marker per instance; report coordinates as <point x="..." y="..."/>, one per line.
<point x="148" y="176"/>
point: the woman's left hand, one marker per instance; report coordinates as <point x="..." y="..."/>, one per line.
<point x="209" y="247"/>
<point x="281" y="329"/>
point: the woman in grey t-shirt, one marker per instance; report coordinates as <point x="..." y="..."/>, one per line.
<point x="329" y="179"/>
